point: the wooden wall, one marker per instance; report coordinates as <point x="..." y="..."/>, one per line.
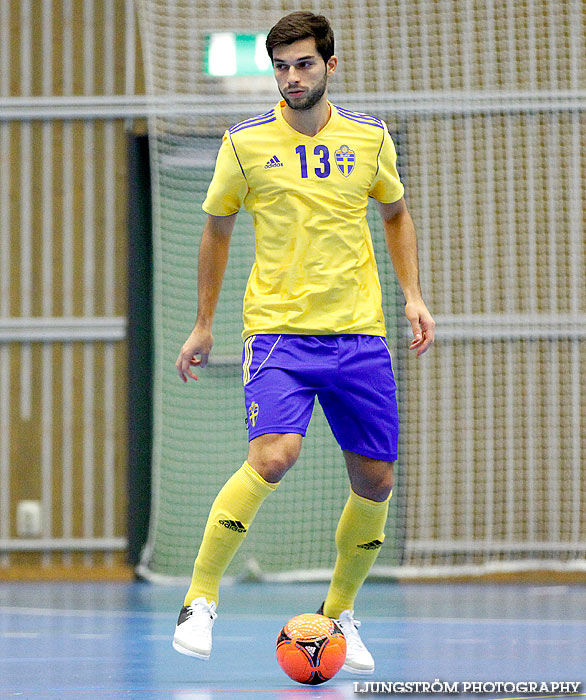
<point x="63" y="279"/>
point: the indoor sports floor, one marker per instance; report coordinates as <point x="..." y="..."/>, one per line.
<point x="72" y="641"/>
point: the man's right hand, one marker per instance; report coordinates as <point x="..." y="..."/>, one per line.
<point x="200" y="342"/>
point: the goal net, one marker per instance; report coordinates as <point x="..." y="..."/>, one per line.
<point x="486" y="104"/>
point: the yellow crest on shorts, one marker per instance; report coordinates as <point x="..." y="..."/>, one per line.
<point x="253" y="412"/>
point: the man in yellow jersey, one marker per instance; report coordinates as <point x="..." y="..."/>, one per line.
<point x="313" y="321"/>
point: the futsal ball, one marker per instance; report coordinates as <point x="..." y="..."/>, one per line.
<point x="311" y="648"/>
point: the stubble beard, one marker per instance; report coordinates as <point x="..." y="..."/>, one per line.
<point x="311" y="99"/>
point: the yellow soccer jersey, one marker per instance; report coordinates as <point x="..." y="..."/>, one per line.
<point x="315" y="271"/>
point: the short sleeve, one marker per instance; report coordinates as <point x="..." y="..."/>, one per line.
<point x="386" y="186"/>
<point x="228" y="186"/>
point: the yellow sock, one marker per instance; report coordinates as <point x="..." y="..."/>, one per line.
<point x="230" y="517"/>
<point x="359" y="537"/>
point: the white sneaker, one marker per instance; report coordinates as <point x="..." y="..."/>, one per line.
<point x="193" y="633"/>
<point x="358" y="658"/>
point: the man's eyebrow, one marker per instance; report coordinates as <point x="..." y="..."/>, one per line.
<point x="297" y="60"/>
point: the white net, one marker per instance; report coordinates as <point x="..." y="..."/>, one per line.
<point x="486" y="104"/>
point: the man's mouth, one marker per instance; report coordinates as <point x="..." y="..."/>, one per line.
<point x="295" y="93"/>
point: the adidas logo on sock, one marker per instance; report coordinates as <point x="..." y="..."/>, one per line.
<point x="274" y="162"/>
<point x="235" y="525"/>
<point x="375" y="544"/>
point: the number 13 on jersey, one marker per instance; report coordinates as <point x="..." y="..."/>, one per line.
<point x="324" y="159"/>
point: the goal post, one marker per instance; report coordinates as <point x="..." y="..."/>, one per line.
<point x="489" y="127"/>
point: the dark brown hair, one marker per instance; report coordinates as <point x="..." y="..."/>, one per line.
<point x="302" y="25"/>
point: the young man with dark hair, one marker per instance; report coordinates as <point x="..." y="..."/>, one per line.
<point x="302" y="25"/>
<point x="313" y="321"/>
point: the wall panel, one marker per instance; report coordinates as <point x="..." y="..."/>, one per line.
<point x="63" y="236"/>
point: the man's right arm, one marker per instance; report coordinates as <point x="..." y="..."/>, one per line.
<point x="213" y="257"/>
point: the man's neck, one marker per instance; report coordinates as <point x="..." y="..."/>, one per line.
<point x="308" y="121"/>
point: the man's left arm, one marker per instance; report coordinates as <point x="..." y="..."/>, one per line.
<point x="402" y="245"/>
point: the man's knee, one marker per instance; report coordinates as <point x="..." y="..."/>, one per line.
<point x="381" y="484"/>
<point x="272" y="455"/>
<point x="370" y="478"/>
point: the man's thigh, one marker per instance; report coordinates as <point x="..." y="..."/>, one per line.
<point x="278" y="393"/>
<point x="361" y="405"/>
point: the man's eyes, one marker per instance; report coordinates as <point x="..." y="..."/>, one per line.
<point x="303" y="64"/>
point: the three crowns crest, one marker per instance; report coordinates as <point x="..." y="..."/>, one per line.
<point x="345" y="160"/>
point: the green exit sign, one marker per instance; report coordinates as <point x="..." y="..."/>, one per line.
<point x="229" y="54"/>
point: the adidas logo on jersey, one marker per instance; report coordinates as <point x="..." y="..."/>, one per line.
<point x="274" y="162"/>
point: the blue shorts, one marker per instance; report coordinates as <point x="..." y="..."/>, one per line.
<point x="351" y="375"/>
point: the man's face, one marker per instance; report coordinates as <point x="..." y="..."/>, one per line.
<point x="301" y="74"/>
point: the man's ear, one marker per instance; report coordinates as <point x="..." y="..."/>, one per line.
<point x="332" y="64"/>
